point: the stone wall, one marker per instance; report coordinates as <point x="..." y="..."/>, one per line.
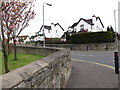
<point x="95" y="46"/>
<point x="36" y="50"/>
<point x="49" y="72"/>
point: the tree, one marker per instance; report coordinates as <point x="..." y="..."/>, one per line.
<point x="111" y="29"/>
<point x="5" y="49"/>
<point x="15" y="16"/>
<point x="108" y="29"/>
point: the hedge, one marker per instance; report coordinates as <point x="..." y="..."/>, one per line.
<point x="54" y="41"/>
<point x="92" y="37"/>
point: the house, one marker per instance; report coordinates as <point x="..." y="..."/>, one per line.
<point x="87" y="25"/>
<point x="33" y="38"/>
<point x="23" y="39"/>
<point x="53" y="31"/>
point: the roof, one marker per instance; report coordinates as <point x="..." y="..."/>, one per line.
<point x="24" y="36"/>
<point x="49" y="27"/>
<point x="100" y="21"/>
<point x="89" y="21"/>
<point x="59" y="25"/>
<point x="46" y="27"/>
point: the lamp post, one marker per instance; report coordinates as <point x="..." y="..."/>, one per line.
<point x="44" y="22"/>
<point x="116" y="56"/>
<point x="116" y="37"/>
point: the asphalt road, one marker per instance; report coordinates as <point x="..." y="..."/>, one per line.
<point x="90" y="75"/>
<point x="103" y="57"/>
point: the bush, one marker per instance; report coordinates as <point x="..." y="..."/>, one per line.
<point x="92" y="37"/>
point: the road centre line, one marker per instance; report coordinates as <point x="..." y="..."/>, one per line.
<point x="94" y="63"/>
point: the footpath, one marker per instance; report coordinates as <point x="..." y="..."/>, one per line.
<point x="90" y="75"/>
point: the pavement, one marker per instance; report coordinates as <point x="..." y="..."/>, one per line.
<point x="91" y="75"/>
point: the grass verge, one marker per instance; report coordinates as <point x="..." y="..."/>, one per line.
<point x="23" y="59"/>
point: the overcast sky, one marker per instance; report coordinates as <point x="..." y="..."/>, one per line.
<point x="67" y="12"/>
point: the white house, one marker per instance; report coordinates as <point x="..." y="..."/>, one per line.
<point x="53" y="31"/>
<point x="21" y="39"/>
<point x="88" y="25"/>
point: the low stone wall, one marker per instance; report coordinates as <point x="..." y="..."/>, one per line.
<point x="36" y="50"/>
<point x="49" y="72"/>
<point x="95" y="46"/>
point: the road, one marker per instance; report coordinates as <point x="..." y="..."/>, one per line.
<point x="99" y="57"/>
<point x="86" y="74"/>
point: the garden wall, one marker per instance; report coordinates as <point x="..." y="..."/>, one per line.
<point x="52" y="71"/>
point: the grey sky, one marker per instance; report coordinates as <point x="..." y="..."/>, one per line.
<point x="67" y="12"/>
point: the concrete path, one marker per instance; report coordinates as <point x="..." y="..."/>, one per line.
<point x="90" y="75"/>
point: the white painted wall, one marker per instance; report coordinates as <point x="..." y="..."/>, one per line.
<point x="95" y="28"/>
<point x="55" y="32"/>
<point x="86" y="26"/>
<point x="27" y="40"/>
<point x="99" y="26"/>
<point x="94" y="22"/>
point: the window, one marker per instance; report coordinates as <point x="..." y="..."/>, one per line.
<point x="75" y="30"/>
<point x="81" y="27"/>
<point x="48" y="31"/>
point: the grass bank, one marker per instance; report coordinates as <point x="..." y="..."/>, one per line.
<point x="23" y="59"/>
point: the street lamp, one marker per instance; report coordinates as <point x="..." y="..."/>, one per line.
<point x="44" y="22"/>
<point x="116" y="38"/>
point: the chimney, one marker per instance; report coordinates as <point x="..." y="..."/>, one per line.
<point x="94" y="15"/>
<point x="94" y="22"/>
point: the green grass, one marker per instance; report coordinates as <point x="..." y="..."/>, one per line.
<point x="23" y="59"/>
<point x="27" y="44"/>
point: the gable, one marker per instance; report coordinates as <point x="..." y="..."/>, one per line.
<point x="98" y="19"/>
<point x="57" y="24"/>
